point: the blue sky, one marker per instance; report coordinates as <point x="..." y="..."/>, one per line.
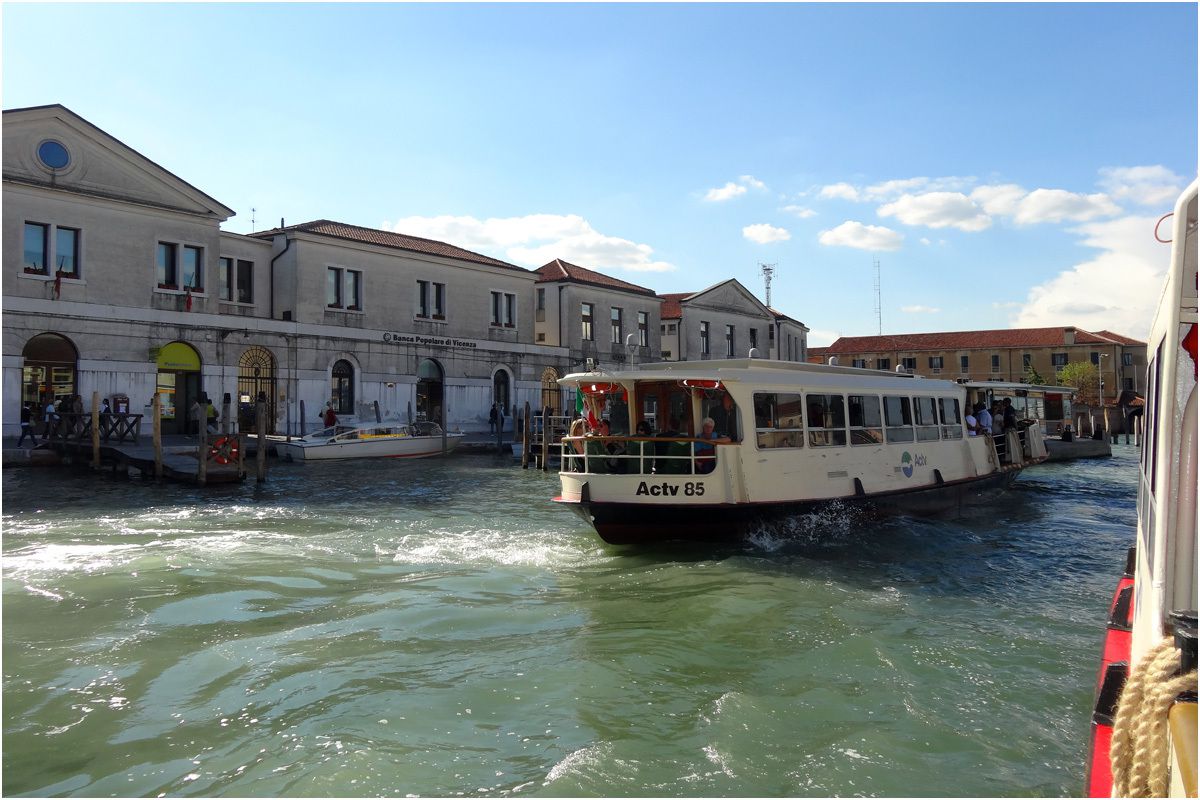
<point x="1005" y="163"/>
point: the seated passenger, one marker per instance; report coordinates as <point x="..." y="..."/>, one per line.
<point x="595" y="450"/>
<point x="706" y="455"/>
<point x="576" y="450"/>
<point x="642" y="452"/>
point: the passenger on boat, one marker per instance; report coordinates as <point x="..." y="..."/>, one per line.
<point x="705" y="453"/>
<point x="984" y="417"/>
<point x="673" y="457"/>
<point x="642" y="451"/>
<point x="972" y="424"/>
<point x="1010" y="415"/>
<point x="997" y="418"/>
<point x="576" y="432"/>
<point x="724" y="417"/>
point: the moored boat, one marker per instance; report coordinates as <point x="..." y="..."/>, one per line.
<point x="370" y="440"/>
<point x="1143" y="732"/>
<point x="784" y="438"/>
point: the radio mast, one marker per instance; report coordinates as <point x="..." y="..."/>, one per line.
<point x="878" y="300"/>
<point x="768" y="271"/>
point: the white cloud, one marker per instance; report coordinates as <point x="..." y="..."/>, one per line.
<point x="734" y="189"/>
<point x="1059" y="205"/>
<point x="765" y="234"/>
<point x="1001" y="200"/>
<point x="1147" y="186"/>
<point x="1117" y="290"/>
<point x="895" y="188"/>
<point x="840" y="191"/>
<point x="802" y="212"/>
<point x="938" y="210"/>
<point x="536" y="239"/>
<point x="822" y="338"/>
<point x="920" y="310"/>
<point x="862" y="237"/>
<point x="1009" y="304"/>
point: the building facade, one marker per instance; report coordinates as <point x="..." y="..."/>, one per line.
<point x="999" y="355"/>
<point x="119" y="280"/>
<point x="727" y="321"/>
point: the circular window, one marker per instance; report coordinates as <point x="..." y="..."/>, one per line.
<point x="53" y="154"/>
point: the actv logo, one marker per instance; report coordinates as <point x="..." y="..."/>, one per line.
<point x="906" y="465"/>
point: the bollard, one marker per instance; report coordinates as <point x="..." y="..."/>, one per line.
<point x="545" y="437"/>
<point x="96" y="430"/>
<point x="156" y="410"/>
<point x="260" y="452"/>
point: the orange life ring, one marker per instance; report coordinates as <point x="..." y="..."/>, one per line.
<point x="224" y="450"/>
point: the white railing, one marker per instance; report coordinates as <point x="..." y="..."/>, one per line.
<point x="638" y="455"/>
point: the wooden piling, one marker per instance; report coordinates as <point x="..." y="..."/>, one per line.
<point x="95" y="430"/>
<point x="156" y="410"/>
<point x="303" y="416"/>
<point x="545" y="437"/>
<point x="202" y="451"/>
<point x="260" y="452"/>
<point x="378" y="419"/>
<point x="241" y="440"/>
<point x="225" y="403"/>
<point x="525" y="437"/>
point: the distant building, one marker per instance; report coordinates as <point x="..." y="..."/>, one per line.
<point x="998" y="355"/>
<point x="727" y="321"/>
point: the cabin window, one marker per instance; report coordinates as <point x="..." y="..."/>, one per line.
<point x="826" y="420"/>
<point x="866" y="420"/>
<point x="898" y="416"/>
<point x="951" y="420"/>
<point x="778" y="420"/>
<point x="926" y="419"/>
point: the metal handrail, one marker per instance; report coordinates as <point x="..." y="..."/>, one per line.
<point x="571" y="458"/>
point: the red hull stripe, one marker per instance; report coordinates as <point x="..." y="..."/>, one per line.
<point x="1100" y="771"/>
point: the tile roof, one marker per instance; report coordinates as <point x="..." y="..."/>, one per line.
<point x="399" y="241"/>
<point x="558" y="270"/>
<point x="967" y="340"/>
<point x="671" y="308"/>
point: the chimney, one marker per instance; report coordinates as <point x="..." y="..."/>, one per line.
<point x="1068" y="336"/>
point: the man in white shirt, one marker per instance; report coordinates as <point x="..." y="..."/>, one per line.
<point x="984" y="417"/>
<point x="972" y="424"/>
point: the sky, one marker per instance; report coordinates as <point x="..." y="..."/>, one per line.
<point x="1003" y="164"/>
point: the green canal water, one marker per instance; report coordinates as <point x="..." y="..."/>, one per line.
<point x="440" y="628"/>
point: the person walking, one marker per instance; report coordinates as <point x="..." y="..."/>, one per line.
<point x="26" y="424"/>
<point x="49" y="418"/>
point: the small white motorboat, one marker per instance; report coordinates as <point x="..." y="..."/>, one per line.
<point x="370" y="440"/>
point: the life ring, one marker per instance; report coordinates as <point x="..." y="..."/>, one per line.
<point x="224" y="450"/>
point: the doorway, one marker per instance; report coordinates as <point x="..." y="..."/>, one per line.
<point x="430" y="394"/>
<point x="177" y="385"/>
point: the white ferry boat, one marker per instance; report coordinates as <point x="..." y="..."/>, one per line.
<point x="790" y="436"/>
<point x="370" y="440"/>
<point x="1143" y="732"/>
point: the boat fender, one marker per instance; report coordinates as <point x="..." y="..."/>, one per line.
<point x="224" y="450"/>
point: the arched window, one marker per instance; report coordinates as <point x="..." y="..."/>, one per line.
<point x="551" y="396"/>
<point x="501" y="395"/>
<point x="342" y="388"/>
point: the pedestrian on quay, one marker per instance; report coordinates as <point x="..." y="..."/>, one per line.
<point x="26" y="424"/>
<point x="49" y="418"/>
<point x="194" y="415"/>
<point x="492" y="416"/>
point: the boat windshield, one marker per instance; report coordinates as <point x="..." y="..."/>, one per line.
<point x="329" y="433"/>
<point x="426" y="429"/>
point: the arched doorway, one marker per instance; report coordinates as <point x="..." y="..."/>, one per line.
<point x="256" y="376"/>
<point x="551" y="395"/>
<point x="430" y="395"/>
<point x="50" y="369"/>
<point x="341" y="387"/>
<point x="178" y="384"/>
<point x="502" y="390"/>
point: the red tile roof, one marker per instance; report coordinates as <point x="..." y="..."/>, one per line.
<point x="967" y="340"/>
<point x="400" y="241"/>
<point x="559" y="270"/>
<point x="671" y="308"/>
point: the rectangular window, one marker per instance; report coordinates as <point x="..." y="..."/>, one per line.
<point x="167" y="267"/>
<point x="671" y="328"/>
<point x="910" y="363"/>
<point x="423" y="310"/>
<point x="951" y="419"/>
<point x="704" y="349"/>
<point x="860" y="363"/>
<point x="36" y="245"/>
<point x="333" y="287"/>
<point x="66" y="252"/>
<point x="541" y="299"/>
<point x="643" y="329"/>
<point x="353" y="294"/>
<point x="431" y="300"/>
<point x="225" y="278"/>
<point x="1057" y="360"/>
<point x="1127" y="359"/>
<point x="964" y="363"/>
<point x="866" y="419"/>
<point x="245" y="281"/>
<point x="586" y="313"/>
<point x="510" y="310"/>
<point x="753" y="338"/>
<point x="193" y="268"/>
<point x="885" y="363"/>
<point x="617" y="325"/>
<point x="778" y="420"/>
<point x="935" y="362"/>
<point x="236" y="280"/>
<point x="1026" y="360"/>
<point x="995" y="363"/>
<point x="497" y="308"/>
<point x="897" y="414"/>
<point x="439" y="301"/>
<point x="1095" y="359"/>
<point x="926" y="418"/>
<point x="826" y="420"/>
<point x="730" y="345"/>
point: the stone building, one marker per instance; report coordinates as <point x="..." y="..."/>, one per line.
<point x="118" y="279"/>
<point x="727" y="321"/>
<point x="999" y="355"/>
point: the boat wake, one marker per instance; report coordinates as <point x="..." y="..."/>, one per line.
<point x="834" y="523"/>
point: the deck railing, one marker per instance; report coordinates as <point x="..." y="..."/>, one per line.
<point x="114" y="428"/>
<point x="638" y="455"/>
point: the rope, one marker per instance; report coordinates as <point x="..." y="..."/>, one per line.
<point x="1139" y="742"/>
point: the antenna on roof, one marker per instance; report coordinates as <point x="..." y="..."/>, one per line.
<point x="252" y="210"/>
<point x="878" y="300"/>
<point x="768" y="271"/>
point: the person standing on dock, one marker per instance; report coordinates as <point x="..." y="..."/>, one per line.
<point x="195" y="413"/>
<point x="492" y="416"/>
<point x="50" y="418"/>
<point x="26" y="424"/>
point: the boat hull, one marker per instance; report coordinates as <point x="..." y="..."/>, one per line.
<point x="639" y="523"/>
<point x="403" y="447"/>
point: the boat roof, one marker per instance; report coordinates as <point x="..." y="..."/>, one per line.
<point x="756" y="371"/>
<point x="1018" y="386"/>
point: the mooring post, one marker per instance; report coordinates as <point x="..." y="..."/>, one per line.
<point x="525" y="437"/>
<point x="241" y="450"/>
<point x="378" y="418"/>
<point x="156" y="411"/>
<point x="545" y="437"/>
<point x="225" y="403"/>
<point x="302" y="418"/>
<point x="410" y="412"/>
<point x="202" y="452"/>
<point x="96" y="430"/>
<point x="260" y="451"/>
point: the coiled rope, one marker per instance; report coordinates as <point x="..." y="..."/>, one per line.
<point x="1139" y="747"/>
